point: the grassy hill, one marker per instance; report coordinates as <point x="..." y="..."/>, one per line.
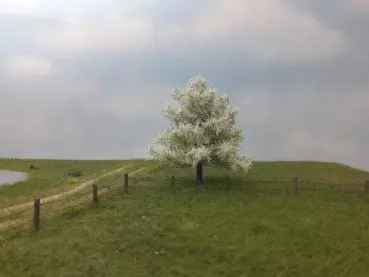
<point x="257" y="228"/>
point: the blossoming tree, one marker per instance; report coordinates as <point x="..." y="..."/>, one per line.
<point x="202" y="131"/>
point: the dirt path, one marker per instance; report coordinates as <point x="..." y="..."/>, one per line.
<point x="13" y="223"/>
<point x="51" y="198"/>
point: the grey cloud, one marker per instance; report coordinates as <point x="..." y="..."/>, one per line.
<point x="91" y="10"/>
<point x="107" y="105"/>
<point x="77" y="121"/>
<point x="284" y="36"/>
<point x="314" y="125"/>
<point x="338" y="14"/>
<point x="19" y="33"/>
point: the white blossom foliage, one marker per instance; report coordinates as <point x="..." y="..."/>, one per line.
<point x="202" y="128"/>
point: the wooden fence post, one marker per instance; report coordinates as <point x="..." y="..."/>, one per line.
<point x="228" y="180"/>
<point x="95" y="197"/>
<point x="295" y="185"/>
<point x="36" y="214"/>
<point x="172" y="182"/>
<point x="366" y="187"/>
<point x="125" y="182"/>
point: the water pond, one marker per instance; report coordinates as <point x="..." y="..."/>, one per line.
<point x="8" y="177"/>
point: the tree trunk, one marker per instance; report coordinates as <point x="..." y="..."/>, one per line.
<point x="199" y="178"/>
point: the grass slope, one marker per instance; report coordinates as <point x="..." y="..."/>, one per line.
<point x="49" y="178"/>
<point x="249" y="231"/>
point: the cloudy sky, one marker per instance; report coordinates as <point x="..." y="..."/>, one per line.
<point x="88" y="78"/>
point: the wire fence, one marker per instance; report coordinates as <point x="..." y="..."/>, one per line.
<point x="31" y="218"/>
<point x="297" y="185"/>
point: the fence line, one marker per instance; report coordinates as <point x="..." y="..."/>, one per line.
<point x="295" y="187"/>
<point x="64" y="194"/>
<point x="11" y="223"/>
<point x="97" y="191"/>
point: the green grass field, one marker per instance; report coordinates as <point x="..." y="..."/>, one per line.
<point x="251" y="230"/>
<point x="49" y="178"/>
